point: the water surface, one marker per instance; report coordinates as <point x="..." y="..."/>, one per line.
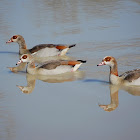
<point x="69" y="107"/>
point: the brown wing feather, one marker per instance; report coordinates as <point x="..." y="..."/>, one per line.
<point x="131" y="75"/>
<point x="53" y="64"/>
<point x="61" y="47"/>
<point x="72" y="63"/>
<point x="41" y="46"/>
<point x="50" y="65"/>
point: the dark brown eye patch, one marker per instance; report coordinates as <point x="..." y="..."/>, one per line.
<point x="107" y="59"/>
<point x="24" y="56"/>
<point x="14" y="37"/>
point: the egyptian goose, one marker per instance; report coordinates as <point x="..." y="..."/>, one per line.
<point x="41" y="50"/>
<point x="51" y="67"/>
<point x="127" y="78"/>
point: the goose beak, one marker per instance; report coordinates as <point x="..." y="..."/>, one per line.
<point x="101" y="64"/>
<point x="20" y="61"/>
<point x="9" y="41"/>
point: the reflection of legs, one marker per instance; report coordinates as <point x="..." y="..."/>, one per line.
<point x="18" y="68"/>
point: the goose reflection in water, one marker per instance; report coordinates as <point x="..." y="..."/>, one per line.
<point x="114" y="90"/>
<point x="65" y="77"/>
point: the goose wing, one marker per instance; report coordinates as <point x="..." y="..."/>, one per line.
<point x="131" y="75"/>
<point x="41" y="46"/>
<point x="51" y="65"/>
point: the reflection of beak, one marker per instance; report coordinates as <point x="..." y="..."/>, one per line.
<point x="9" y="41"/>
<point x="20" y="87"/>
<point x="13" y="69"/>
<point x="101" y="64"/>
<point x="103" y="106"/>
<point x="20" y="61"/>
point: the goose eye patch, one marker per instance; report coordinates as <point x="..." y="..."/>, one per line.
<point x="107" y="59"/>
<point x="14" y="37"/>
<point x="24" y="57"/>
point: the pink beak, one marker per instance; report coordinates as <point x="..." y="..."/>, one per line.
<point x="20" y="61"/>
<point x="9" y="41"/>
<point x="101" y="64"/>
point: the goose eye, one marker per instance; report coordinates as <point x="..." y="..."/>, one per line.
<point x="107" y="59"/>
<point x="24" y="57"/>
<point x="14" y="37"/>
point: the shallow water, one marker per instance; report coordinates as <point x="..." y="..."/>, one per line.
<point x="72" y="106"/>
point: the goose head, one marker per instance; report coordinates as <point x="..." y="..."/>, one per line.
<point x="25" y="58"/>
<point x="108" y="60"/>
<point x="14" y="38"/>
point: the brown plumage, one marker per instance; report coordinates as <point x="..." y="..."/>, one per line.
<point x="51" y="65"/>
<point x="131" y="75"/>
<point x="41" y="50"/>
<point x="41" y="46"/>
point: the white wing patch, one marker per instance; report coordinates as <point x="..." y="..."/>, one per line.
<point x="46" y="52"/>
<point x="76" y="66"/>
<point x="57" y="70"/>
<point x="63" y="52"/>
